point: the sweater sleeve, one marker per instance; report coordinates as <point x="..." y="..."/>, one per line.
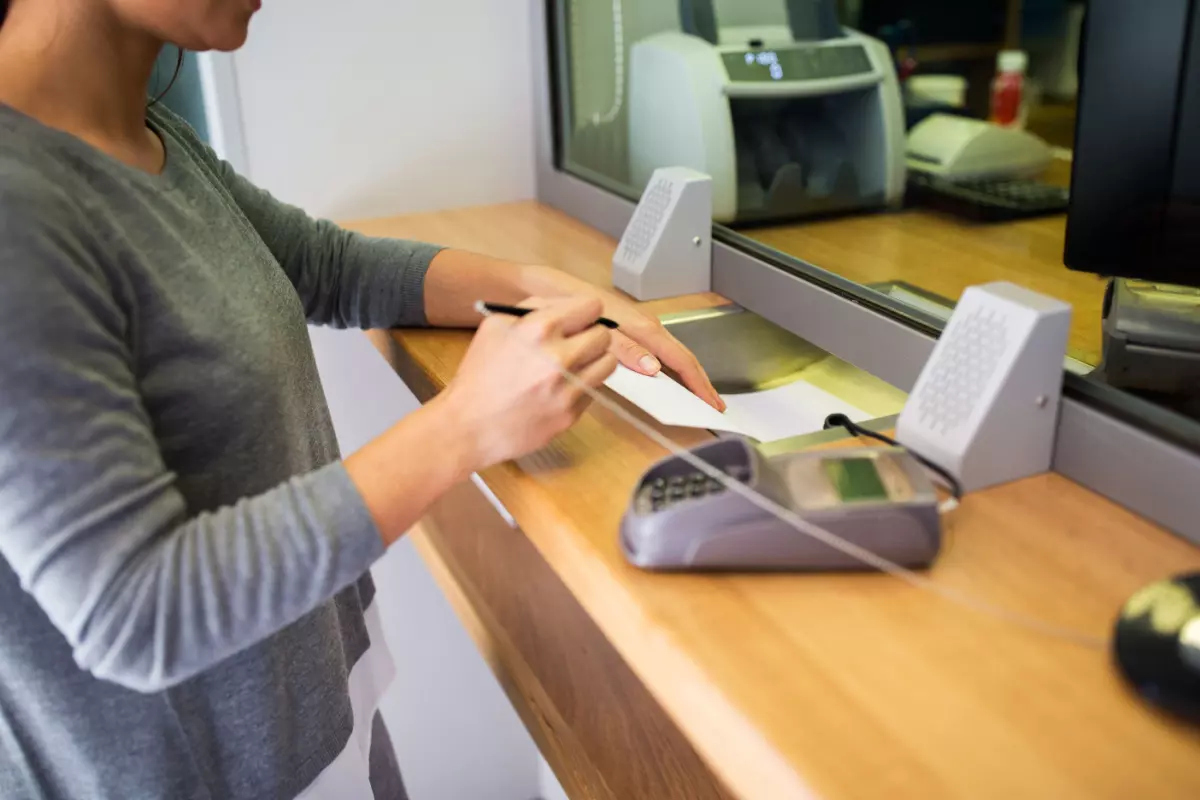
<point x="91" y="520"/>
<point x="345" y="279"/>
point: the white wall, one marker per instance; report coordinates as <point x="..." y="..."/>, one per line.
<point x="361" y="108"/>
<point x="366" y="108"/>
<point x="551" y="788"/>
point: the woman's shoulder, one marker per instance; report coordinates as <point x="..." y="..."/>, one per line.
<point x="33" y="196"/>
<point x="44" y="221"/>
<point x="37" y="213"/>
<point x="38" y="169"/>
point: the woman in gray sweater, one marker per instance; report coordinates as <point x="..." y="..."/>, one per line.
<point x="184" y="599"/>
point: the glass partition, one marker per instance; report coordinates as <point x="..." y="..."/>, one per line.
<point x="911" y="147"/>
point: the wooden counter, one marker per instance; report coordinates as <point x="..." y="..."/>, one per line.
<point x="944" y="255"/>
<point x="638" y="685"/>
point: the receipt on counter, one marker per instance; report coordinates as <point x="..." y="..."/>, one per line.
<point x="768" y="415"/>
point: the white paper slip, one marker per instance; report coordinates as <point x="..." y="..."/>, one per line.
<point x="791" y="410"/>
<point x="668" y="402"/>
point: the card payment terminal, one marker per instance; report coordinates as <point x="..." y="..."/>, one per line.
<point x="879" y="498"/>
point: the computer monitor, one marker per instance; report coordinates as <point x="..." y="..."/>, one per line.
<point x="1135" y="180"/>
<point x="1135" y="192"/>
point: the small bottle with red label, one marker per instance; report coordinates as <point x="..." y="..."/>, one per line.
<point x="1008" y="89"/>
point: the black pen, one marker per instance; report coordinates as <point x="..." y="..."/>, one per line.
<point x="517" y="311"/>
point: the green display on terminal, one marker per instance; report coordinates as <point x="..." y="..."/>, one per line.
<point x="856" y="480"/>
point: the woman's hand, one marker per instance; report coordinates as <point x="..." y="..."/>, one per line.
<point x="457" y="279"/>
<point x="509" y="397"/>
<point x="643" y="343"/>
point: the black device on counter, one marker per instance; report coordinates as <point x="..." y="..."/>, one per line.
<point x="1135" y="177"/>
<point x="1157" y="644"/>
<point x="987" y="199"/>
<point x="1135" y="191"/>
<point x="1135" y="217"/>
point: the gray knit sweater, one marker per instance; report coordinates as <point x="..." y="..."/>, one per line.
<point x="184" y="602"/>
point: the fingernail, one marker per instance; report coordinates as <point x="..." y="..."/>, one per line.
<point x="649" y="364"/>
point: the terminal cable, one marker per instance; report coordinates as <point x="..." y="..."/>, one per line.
<point x="951" y="482"/>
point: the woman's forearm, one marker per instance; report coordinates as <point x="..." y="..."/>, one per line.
<point x="401" y="473"/>
<point x="457" y="279"/>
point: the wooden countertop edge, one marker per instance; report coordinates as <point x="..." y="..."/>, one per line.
<point x="721" y="734"/>
<point x="536" y="710"/>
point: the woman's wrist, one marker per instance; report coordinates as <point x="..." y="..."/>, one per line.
<point x="402" y="472"/>
<point x="457" y="279"/>
<point x="533" y="280"/>
<point x="460" y="445"/>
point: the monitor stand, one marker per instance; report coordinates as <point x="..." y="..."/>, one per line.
<point x="1152" y="340"/>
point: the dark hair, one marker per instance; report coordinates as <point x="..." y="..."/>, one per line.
<point x="174" y="75"/>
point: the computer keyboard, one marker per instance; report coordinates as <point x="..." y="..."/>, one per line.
<point x="987" y="199"/>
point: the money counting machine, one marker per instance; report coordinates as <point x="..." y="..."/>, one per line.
<point x="789" y="113"/>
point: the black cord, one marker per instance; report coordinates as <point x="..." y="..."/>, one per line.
<point x="842" y="421"/>
<point x="170" y="83"/>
